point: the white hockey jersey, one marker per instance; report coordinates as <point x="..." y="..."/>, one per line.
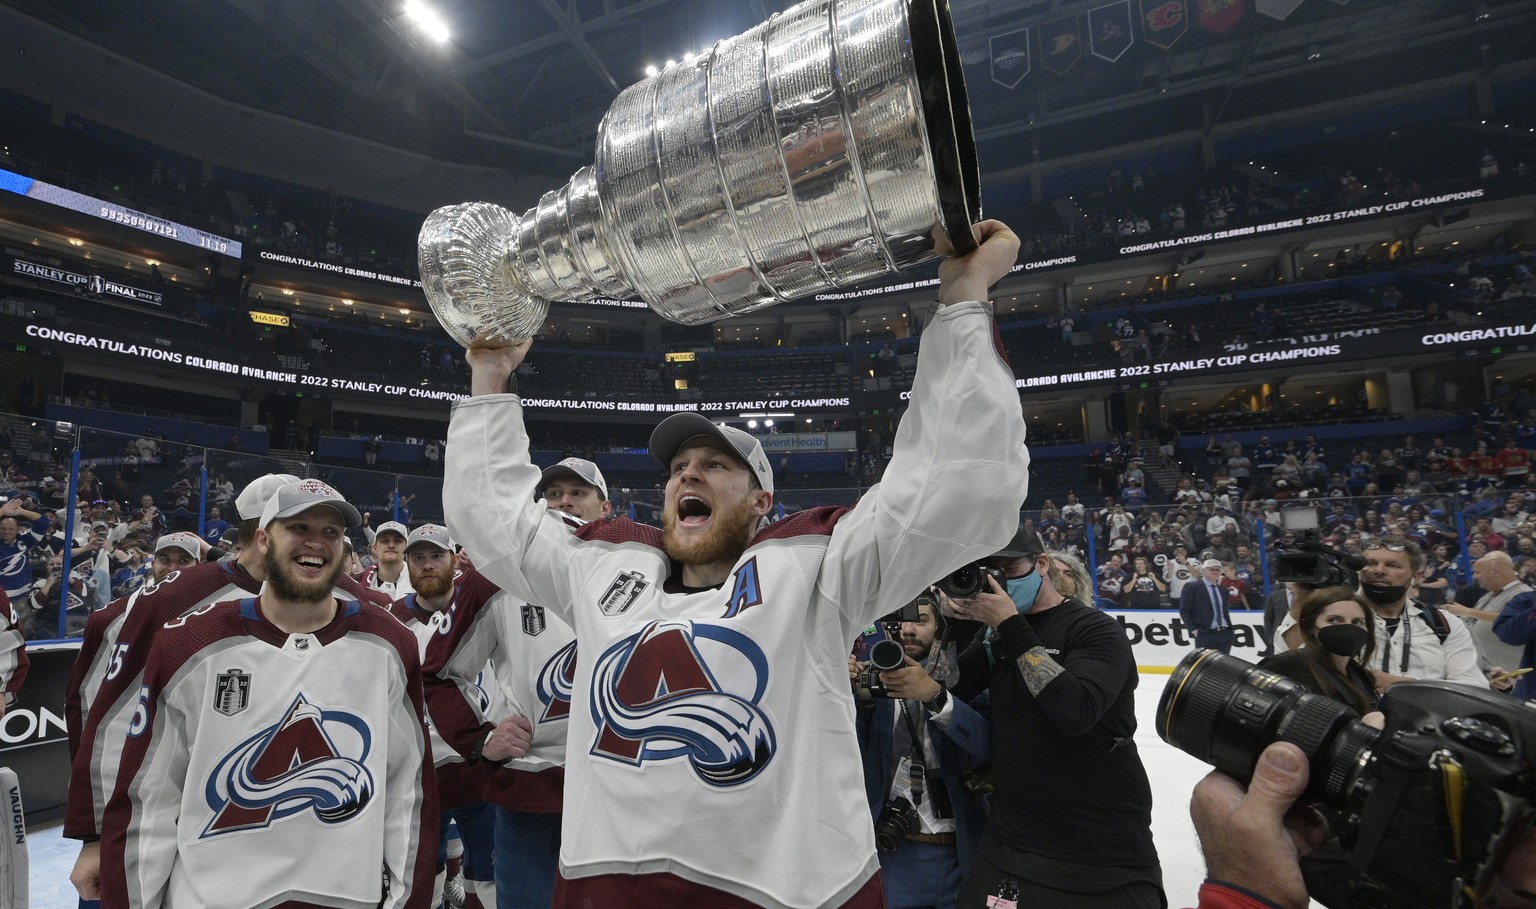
<point x="712" y="732"/>
<point x="532" y="657"/>
<point x="104" y="683"/>
<point x="265" y="767"/>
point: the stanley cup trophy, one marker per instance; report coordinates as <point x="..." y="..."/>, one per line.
<point x="827" y="146"/>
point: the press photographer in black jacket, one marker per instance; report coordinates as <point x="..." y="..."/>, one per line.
<point x="1071" y="815"/>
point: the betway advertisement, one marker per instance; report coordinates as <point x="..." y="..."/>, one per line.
<point x="1159" y="638"/>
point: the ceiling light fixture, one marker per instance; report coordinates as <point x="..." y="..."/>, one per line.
<point x="428" y="20"/>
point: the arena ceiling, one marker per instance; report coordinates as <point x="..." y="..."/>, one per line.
<point x="522" y="84"/>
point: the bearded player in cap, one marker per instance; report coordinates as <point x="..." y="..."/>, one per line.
<point x="102" y="693"/>
<point x="278" y="754"/>
<point x="711" y="752"/>
<point x="461" y="785"/>
<point x="531" y="654"/>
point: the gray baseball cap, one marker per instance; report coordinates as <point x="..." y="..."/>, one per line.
<point x="253" y="498"/>
<point x="580" y="468"/>
<point x="436" y="534"/>
<point x="296" y="498"/>
<point x="670" y="434"/>
<point x="186" y="542"/>
<point x="392" y="527"/>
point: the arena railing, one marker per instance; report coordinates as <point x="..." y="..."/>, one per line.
<point x="61" y="462"/>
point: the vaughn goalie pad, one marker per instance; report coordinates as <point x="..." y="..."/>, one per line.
<point x="13" y="855"/>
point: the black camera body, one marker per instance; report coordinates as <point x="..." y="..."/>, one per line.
<point x="897" y="819"/>
<point x="968" y="580"/>
<point x="1386" y="792"/>
<point x="1313" y="565"/>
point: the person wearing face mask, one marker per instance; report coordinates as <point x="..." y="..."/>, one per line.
<point x="1071" y="818"/>
<point x="1412" y="641"/>
<point x="1334" y="625"/>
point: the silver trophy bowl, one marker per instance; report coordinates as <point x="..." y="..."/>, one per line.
<point x="825" y="147"/>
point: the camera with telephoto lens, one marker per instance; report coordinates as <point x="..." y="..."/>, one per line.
<point x="969" y="580"/>
<point x="1426" y="808"/>
<point x="883" y="656"/>
<point x="1310" y="564"/>
<point x="897" y="819"/>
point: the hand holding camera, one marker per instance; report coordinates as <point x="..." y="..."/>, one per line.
<point x="991" y="605"/>
<point x="909" y="682"/>
<point x="1436" y="802"/>
<point x="1253" y="838"/>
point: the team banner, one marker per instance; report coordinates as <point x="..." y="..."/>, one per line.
<point x="95" y="285"/>
<point x="336" y="268"/>
<point x="1163" y="22"/>
<point x="1061" y="45"/>
<point x="1109" y="30"/>
<point x="1219" y="16"/>
<point x="1010" y="57"/>
<point x="1276" y="9"/>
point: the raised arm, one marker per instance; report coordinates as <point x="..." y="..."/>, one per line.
<point x="488" y="496"/>
<point x="959" y="467"/>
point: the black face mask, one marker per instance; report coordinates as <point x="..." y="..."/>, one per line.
<point x="1343" y="640"/>
<point x="1384" y="594"/>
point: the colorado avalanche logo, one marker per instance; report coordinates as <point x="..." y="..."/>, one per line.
<point x="556" y="682"/>
<point x="685" y="690"/>
<point x="310" y="760"/>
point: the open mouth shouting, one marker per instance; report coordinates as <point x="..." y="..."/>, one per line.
<point x="693" y="512"/>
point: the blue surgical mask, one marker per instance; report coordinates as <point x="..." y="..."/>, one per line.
<point x="1024" y="590"/>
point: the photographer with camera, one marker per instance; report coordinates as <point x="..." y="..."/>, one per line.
<point x="919" y="747"/>
<point x="1412" y="640"/>
<point x="1253" y="838"/>
<point x="1071" y="815"/>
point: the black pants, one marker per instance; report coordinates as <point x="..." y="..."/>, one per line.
<point x="1215" y="640"/>
<point x="986" y="878"/>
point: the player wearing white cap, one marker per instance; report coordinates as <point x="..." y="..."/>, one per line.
<point x="532" y="658"/>
<point x="711" y="751"/>
<point x="277" y="755"/>
<point x="102" y="691"/>
<point x="387" y="573"/>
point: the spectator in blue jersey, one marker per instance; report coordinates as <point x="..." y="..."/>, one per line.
<point x="1133" y="495"/>
<point x="16" y="548"/>
<point x="1359" y="474"/>
<point x="215" y="526"/>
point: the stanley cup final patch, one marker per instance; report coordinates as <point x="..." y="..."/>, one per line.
<point x="232" y="692"/>
<point x="622" y="593"/>
<point x="533" y="620"/>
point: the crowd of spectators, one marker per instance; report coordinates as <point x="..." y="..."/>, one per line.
<point x="1469" y="492"/>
